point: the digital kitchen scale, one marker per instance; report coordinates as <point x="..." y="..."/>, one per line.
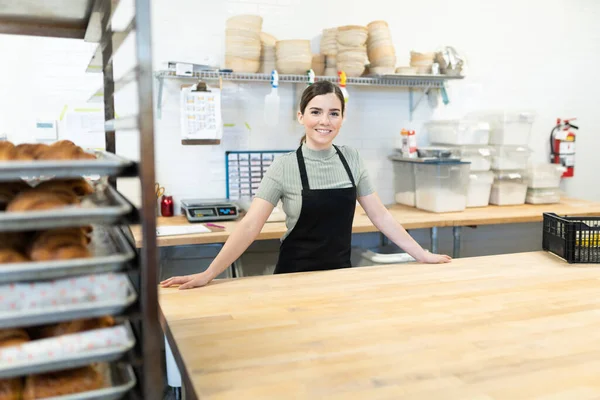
<point x="201" y="210"/>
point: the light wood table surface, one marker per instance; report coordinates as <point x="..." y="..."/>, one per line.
<point x="409" y="217"/>
<point x="516" y="326"/>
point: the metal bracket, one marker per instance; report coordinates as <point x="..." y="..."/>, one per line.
<point x="159" y="96"/>
<point x="413" y="105"/>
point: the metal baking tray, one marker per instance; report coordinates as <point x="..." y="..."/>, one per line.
<point x="69" y="361"/>
<point x="50" y="315"/>
<point x="105" y="164"/>
<point x="105" y="206"/>
<point x="111" y="252"/>
<point x="122" y="379"/>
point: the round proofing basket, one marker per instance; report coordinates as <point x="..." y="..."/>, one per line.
<point x="293" y="67"/>
<point x="352" y="56"/>
<point x="238" y="64"/>
<point x="389" y="61"/>
<point x="351" y="69"/>
<point x="267" y="40"/>
<point x="377" y="25"/>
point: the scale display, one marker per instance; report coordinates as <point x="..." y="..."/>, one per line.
<point x="198" y="210"/>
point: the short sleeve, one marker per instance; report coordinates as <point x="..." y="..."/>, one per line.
<point x="271" y="186"/>
<point x="364" y="187"/>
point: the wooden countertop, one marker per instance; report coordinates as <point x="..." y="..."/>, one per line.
<point x="500" y="327"/>
<point x="409" y="217"/>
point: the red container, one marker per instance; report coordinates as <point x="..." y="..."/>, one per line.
<point x="166" y="206"/>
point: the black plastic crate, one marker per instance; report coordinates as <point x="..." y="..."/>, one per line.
<point x="576" y="239"/>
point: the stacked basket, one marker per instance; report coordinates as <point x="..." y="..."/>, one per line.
<point x="382" y="56"/>
<point x="293" y="56"/>
<point x="267" y="53"/>
<point x="422" y="62"/>
<point x="352" y="49"/>
<point x="243" y="43"/>
<point x="329" y="51"/>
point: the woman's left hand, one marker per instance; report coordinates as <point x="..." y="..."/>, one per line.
<point x="430" y="258"/>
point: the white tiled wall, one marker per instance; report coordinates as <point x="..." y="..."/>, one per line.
<point x="521" y="55"/>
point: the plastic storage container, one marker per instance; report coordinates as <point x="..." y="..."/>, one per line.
<point x="458" y="132"/>
<point x="542" y="196"/>
<point x="480" y="187"/>
<point x="404" y="181"/>
<point x="507" y="128"/>
<point x="479" y="156"/>
<point x="544" y="175"/>
<point x="509" y="188"/>
<point x="441" y="186"/>
<point x="510" y="157"/>
<point x="381" y="256"/>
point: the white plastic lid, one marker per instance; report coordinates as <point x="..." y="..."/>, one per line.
<point x="508" y="175"/>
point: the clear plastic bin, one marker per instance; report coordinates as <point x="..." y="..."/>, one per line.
<point x="542" y="196"/>
<point x="381" y="256"/>
<point x="404" y="182"/>
<point x="480" y="187"/>
<point x="510" y="157"/>
<point x="507" y="128"/>
<point x="441" y="186"/>
<point x="479" y="156"/>
<point x="509" y="188"/>
<point x="458" y="132"/>
<point x="544" y="175"/>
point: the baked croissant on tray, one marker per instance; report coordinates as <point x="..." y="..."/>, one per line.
<point x="61" y="150"/>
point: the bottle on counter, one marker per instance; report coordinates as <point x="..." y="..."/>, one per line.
<point x="166" y="206"/>
<point x="409" y="143"/>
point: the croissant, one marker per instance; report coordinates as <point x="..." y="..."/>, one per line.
<point x="61" y="235"/>
<point x="64" y="152"/>
<point x="69" y="327"/>
<point x="79" y="186"/>
<point x="29" y="151"/>
<point x="63" y="142"/>
<point x="13" y="240"/>
<point x="61" y="383"/>
<point x="8" y="256"/>
<point x="7" y="151"/>
<point x="41" y="200"/>
<point x="13" y="337"/>
<point x="11" y="389"/>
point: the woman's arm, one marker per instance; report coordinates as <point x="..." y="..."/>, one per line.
<point x="385" y="222"/>
<point x="242" y="237"/>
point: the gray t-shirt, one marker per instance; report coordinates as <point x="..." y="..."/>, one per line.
<point x="325" y="171"/>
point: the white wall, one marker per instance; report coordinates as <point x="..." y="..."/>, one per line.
<point x="535" y="55"/>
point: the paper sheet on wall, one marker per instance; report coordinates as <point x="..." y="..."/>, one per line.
<point x="201" y="114"/>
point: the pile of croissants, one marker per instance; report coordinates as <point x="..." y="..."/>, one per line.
<point x="53" y="244"/>
<point x="61" y="150"/>
<point x="58" y="383"/>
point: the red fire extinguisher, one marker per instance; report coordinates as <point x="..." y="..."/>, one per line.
<point x="562" y="145"/>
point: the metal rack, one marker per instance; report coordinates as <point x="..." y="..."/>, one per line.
<point x="91" y="20"/>
<point x="425" y="82"/>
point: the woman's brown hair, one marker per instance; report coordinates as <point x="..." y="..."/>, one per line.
<point x="317" y="89"/>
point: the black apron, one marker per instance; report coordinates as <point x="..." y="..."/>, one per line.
<point x="322" y="237"/>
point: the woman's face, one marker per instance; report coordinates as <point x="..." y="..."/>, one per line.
<point x="322" y="120"/>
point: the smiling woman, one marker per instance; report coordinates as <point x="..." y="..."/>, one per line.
<point x="318" y="185"/>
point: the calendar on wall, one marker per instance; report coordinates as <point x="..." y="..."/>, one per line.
<point x="201" y="114"/>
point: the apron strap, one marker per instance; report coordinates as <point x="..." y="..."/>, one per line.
<point x="346" y="167"/>
<point x="302" y="167"/>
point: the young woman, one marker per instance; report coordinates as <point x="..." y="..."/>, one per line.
<point x="318" y="185"/>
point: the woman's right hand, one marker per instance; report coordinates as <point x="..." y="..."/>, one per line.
<point x="188" y="281"/>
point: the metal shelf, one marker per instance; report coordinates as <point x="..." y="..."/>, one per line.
<point x="40" y="18"/>
<point x="91" y="20"/>
<point x="425" y="82"/>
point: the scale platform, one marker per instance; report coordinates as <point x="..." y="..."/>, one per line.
<point x="205" y="210"/>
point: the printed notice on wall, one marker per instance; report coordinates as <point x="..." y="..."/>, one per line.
<point x="201" y="114"/>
